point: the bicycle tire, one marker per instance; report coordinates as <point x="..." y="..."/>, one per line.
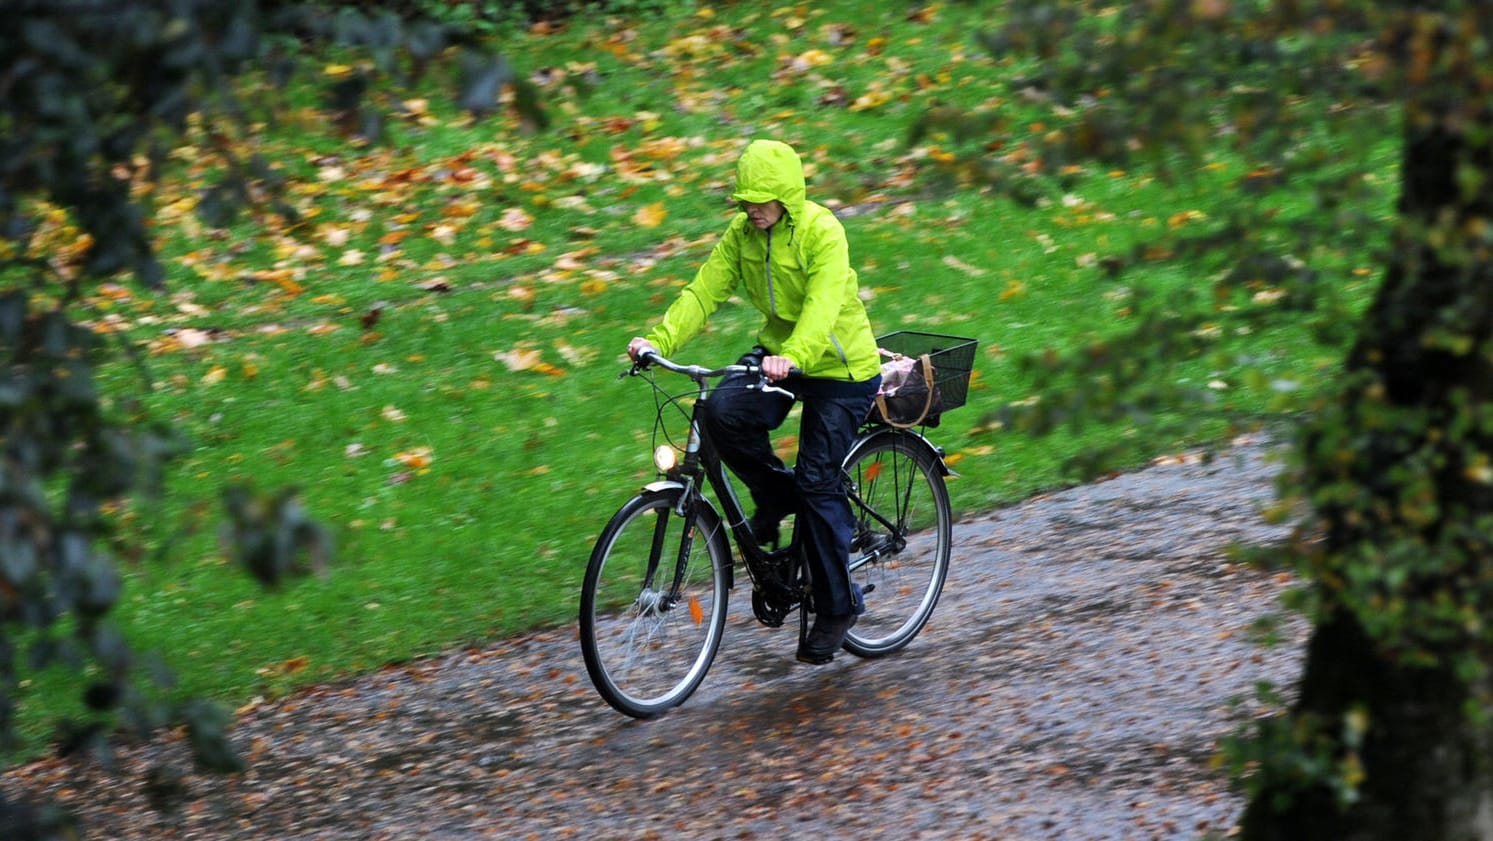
<point x="645" y="652"/>
<point x="899" y="476"/>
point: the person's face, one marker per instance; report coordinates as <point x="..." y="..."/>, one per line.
<point x="763" y="216"/>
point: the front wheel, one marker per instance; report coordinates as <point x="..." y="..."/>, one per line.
<point x="653" y="604"/>
<point x="899" y="555"/>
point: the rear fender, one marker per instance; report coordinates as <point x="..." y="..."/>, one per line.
<point x="909" y="438"/>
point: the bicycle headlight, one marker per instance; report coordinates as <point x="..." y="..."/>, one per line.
<point x="665" y="458"/>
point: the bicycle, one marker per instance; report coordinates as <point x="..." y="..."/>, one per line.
<point x="654" y="599"/>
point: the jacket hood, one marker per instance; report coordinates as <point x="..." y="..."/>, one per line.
<point x="770" y="170"/>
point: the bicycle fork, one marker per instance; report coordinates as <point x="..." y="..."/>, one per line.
<point x="651" y="600"/>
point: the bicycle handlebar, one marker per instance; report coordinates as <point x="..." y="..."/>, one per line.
<point x="700" y="372"/>
<point x="695" y="372"/>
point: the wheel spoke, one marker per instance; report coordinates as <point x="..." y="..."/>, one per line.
<point x="902" y="540"/>
<point x="647" y="648"/>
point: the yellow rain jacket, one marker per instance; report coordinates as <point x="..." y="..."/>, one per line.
<point x="797" y="273"/>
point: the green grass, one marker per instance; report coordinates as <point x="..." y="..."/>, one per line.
<point x="466" y="448"/>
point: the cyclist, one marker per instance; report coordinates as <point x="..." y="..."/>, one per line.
<point x="791" y="257"/>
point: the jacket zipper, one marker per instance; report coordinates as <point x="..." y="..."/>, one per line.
<point x="772" y="296"/>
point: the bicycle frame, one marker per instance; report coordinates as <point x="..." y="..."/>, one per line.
<point x="654" y="603"/>
<point x="700" y="460"/>
<point x="869" y="436"/>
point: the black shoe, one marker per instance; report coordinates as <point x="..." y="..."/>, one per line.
<point x="824" y="639"/>
<point x="765" y="529"/>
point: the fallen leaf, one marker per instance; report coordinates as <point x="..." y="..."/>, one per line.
<point x="518" y="360"/>
<point x="650" y="215"/>
<point x="955" y="263"/>
<point x="515" y="219"/>
<point x="416" y="459"/>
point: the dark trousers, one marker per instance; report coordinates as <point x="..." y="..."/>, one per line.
<point x="740" y="420"/>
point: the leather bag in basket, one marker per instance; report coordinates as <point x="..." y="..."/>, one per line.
<point x="909" y="392"/>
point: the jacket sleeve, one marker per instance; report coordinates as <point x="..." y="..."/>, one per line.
<point x="828" y="276"/>
<point x="713" y="284"/>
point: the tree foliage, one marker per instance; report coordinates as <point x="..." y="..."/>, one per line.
<point x="1389" y="736"/>
<point x="1290" y="88"/>
<point x="92" y="96"/>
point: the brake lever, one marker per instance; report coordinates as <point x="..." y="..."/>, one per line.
<point x="638" y="366"/>
<point x="766" y="386"/>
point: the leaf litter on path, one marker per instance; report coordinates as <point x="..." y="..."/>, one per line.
<point x="1089" y="653"/>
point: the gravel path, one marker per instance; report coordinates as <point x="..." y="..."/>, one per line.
<point x="1073" y="684"/>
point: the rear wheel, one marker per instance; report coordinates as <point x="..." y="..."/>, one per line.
<point x="650" y="625"/>
<point x="900" y="552"/>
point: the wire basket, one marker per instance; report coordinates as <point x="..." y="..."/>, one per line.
<point x="953" y="359"/>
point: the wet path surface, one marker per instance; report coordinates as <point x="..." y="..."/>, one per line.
<point x="1073" y="684"/>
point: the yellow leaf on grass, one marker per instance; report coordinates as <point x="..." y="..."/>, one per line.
<point x="650" y="215"/>
<point x="418" y="458"/>
<point x="283" y="278"/>
<point x="810" y="59"/>
<point x="1177" y="220"/>
<point x="870" y="99"/>
<point x="114" y="292"/>
<point x="214" y="375"/>
<point x="518" y="360"/>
